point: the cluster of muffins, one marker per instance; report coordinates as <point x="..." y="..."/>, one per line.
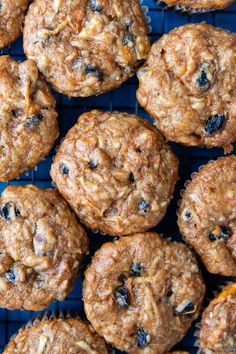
<point x="115" y="173"/>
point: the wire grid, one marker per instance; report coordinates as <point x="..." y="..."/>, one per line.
<point x="121" y="99"/>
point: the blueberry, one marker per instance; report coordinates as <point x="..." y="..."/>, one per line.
<point x="202" y="81"/>
<point x="214" y="124"/>
<point x="136" y="269"/>
<point x="64" y="169"/>
<point x="17" y="211"/>
<point x="94" y="70"/>
<point x="143" y="205"/>
<point x="131" y="177"/>
<point x="5" y="211"/>
<point x="33" y="120"/>
<point x="92" y="165"/>
<point x="122" y="296"/>
<point x="10" y="276"/>
<point x="143" y="338"/>
<point x="187" y="215"/>
<point x="94" y="6"/>
<point x="128" y="38"/>
<point x="220" y="232"/>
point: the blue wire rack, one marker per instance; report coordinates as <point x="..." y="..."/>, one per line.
<point x="121" y="99"/>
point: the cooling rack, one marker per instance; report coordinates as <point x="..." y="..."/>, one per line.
<point x="121" y="99"/>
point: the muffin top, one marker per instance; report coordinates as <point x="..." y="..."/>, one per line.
<point x="200" y="4"/>
<point x="41" y="248"/>
<point x="57" y="336"/>
<point x="218" y="325"/>
<point x="12" y="15"/>
<point x="207" y="215"/>
<point x="141" y="293"/>
<point x="116" y="171"/>
<point x="28" y="119"/>
<point x="85" y="48"/>
<point x="188" y="85"/>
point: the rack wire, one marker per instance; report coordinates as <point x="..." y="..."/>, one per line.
<point x="121" y="99"/>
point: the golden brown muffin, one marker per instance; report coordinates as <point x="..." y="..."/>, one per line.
<point x="200" y="4"/>
<point x="12" y="14"/>
<point x="28" y="119"/>
<point x="207" y="215"/>
<point x="41" y="248"/>
<point x="86" y="47"/>
<point x="57" y="336"/>
<point x="188" y="85"/>
<point x="116" y="172"/>
<point x="218" y="325"/>
<point x="141" y="293"/>
<point x="178" y="352"/>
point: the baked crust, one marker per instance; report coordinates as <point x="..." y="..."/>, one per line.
<point x="200" y="4"/>
<point x="42" y="247"/>
<point x="57" y="336"/>
<point x="218" y="325"/>
<point x="207" y="215"/>
<point x="86" y="47"/>
<point x="188" y="85"/>
<point x="141" y="293"/>
<point x="116" y="172"/>
<point x="28" y="117"/>
<point x="12" y="14"/>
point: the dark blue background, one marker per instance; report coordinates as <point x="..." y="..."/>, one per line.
<point x="122" y="99"/>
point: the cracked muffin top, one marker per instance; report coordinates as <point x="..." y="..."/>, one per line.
<point x="142" y="292"/>
<point x="41" y="248"/>
<point x="188" y="85"/>
<point x="200" y="4"/>
<point x="218" y="325"/>
<point x="116" y="172"/>
<point x="57" y="336"/>
<point x="12" y="14"/>
<point x="207" y="215"/>
<point x="28" y="117"/>
<point x="86" y="47"/>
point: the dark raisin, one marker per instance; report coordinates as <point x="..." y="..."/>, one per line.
<point x="188" y="310"/>
<point x="5" y="211"/>
<point x="64" y="169"/>
<point x="33" y="120"/>
<point x="136" y="269"/>
<point x="92" y="164"/>
<point x="143" y="205"/>
<point x="214" y="124"/>
<point x="17" y="112"/>
<point x="128" y="38"/>
<point x="122" y="297"/>
<point x="94" y="70"/>
<point x="143" y="338"/>
<point x="131" y="177"/>
<point x="95" y="6"/>
<point x="169" y="293"/>
<point x="10" y="276"/>
<point x="17" y="211"/>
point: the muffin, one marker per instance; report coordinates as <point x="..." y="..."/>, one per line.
<point x="28" y="119"/>
<point x="207" y="215"/>
<point x="218" y="325"/>
<point x="141" y="293"/>
<point x="205" y="5"/>
<point x="42" y="247"/>
<point x="12" y="14"/>
<point x="116" y="172"/>
<point x="87" y="47"/>
<point x="188" y="85"/>
<point x="57" y="336"/>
